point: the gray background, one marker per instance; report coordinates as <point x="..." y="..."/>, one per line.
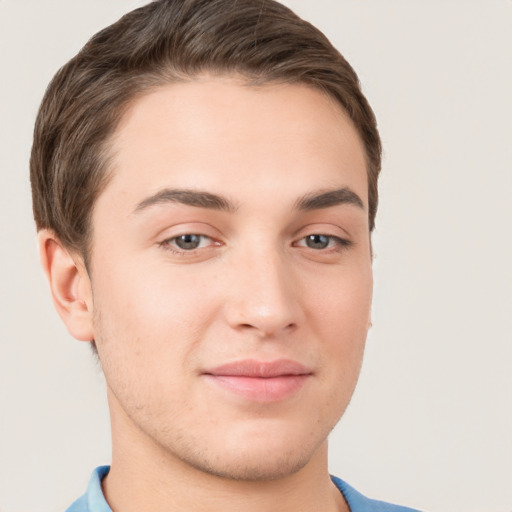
<point x="430" y="424"/>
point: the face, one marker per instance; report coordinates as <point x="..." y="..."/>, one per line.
<point x="231" y="275"/>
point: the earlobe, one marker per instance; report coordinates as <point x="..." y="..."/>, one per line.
<point x="69" y="285"/>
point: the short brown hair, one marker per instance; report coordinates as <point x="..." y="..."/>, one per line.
<point x="164" y="42"/>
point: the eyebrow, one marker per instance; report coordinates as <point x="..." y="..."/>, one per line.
<point x="203" y="199"/>
<point x="189" y="197"/>
<point x="318" y="200"/>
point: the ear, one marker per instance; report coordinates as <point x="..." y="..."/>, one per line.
<point x="69" y="284"/>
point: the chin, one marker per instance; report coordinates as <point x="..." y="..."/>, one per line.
<point x="253" y="469"/>
<point x="265" y="456"/>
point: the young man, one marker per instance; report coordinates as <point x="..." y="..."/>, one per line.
<point x="204" y="177"/>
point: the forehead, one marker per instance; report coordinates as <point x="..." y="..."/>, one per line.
<point x="227" y="137"/>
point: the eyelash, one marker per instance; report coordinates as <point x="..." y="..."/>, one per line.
<point x="167" y="244"/>
<point x="340" y="244"/>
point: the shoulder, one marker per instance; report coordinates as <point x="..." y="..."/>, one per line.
<point x="359" y="503"/>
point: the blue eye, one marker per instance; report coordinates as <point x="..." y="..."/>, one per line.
<point x="320" y="242"/>
<point x="186" y="242"/>
<point x="317" y="241"/>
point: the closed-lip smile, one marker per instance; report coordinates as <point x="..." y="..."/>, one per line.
<point x="260" y="381"/>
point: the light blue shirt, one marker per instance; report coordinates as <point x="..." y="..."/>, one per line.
<point x="94" y="501"/>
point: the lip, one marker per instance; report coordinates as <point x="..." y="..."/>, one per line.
<point x="260" y="381"/>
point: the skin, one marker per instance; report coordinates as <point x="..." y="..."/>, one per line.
<point x="253" y="289"/>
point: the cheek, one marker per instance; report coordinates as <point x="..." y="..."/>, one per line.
<point x="342" y="301"/>
<point x="341" y="320"/>
<point x="147" y="295"/>
<point x="150" y="319"/>
<point x="340" y="312"/>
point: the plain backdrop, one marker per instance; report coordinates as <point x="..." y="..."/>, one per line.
<point x="430" y="424"/>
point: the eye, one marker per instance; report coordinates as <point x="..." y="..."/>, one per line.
<point x="187" y="242"/>
<point x="319" y="242"/>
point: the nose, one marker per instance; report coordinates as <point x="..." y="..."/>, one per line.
<point x="263" y="295"/>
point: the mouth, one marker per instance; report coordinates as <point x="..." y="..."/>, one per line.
<point x="260" y="381"/>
